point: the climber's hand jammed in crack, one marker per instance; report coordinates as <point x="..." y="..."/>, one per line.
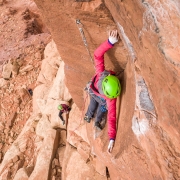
<point x="104" y="89"/>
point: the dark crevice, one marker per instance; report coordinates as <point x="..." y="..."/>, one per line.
<point x="107" y="173"/>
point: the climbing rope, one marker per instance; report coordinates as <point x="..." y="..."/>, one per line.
<point x="80" y="27"/>
<point x="81" y="120"/>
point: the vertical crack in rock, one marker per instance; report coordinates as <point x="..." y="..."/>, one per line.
<point x="127" y="42"/>
<point x="157" y="144"/>
<point x="144" y="114"/>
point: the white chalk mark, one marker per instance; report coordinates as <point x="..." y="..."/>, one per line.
<point x="140" y="127"/>
<point x="127" y="42"/>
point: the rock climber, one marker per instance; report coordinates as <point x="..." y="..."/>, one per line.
<point x="104" y="88"/>
<point x="63" y="108"/>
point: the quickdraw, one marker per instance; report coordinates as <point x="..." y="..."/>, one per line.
<point x="80" y="27"/>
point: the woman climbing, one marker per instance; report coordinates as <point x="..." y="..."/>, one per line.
<point x="104" y="89"/>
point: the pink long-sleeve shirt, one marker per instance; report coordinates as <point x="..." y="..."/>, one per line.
<point x="111" y="103"/>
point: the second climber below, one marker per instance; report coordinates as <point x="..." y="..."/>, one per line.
<point x="63" y="108"/>
<point x="104" y="88"/>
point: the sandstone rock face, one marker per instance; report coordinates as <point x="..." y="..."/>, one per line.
<point x="21" y="175"/>
<point x="7" y="70"/>
<point x="35" y="145"/>
<point x="22" y="36"/>
<point x="76" y="168"/>
<point x="43" y="161"/>
<point x="147" y="145"/>
<point x="50" y="64"/>
<point x="52" y="90"/>
<point x="35" y="149"/>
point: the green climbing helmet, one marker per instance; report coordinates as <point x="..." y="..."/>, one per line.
<point x="111" y="86"/>
<point x="60" y="107"/>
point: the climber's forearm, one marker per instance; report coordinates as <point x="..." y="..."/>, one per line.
<point x="99" y="56"/>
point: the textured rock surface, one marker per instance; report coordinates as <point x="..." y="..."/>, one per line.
<point x="40" y="139"/>
<point x="147" y="62"/>
<point x="22" y="35"/>
<point x="81" y="170"/>
<point x="21" y="175"/>
<point x="147" y="145"/>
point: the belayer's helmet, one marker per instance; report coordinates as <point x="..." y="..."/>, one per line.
<point x="60" y="107"/>
<point x="111" y="86"/>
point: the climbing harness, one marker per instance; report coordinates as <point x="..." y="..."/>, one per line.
<point x="80" y="27"/>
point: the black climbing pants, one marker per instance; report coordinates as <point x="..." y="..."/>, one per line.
<point x="60" y="115"/>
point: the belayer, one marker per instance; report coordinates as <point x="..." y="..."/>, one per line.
<point x="63" y="108"/>
<point x="104" y="88"/>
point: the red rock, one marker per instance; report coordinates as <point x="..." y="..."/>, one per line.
<point x="148" y="55"/>
<point x="15" y="159"/>
<point x="3" y="82"/>
<point x="12" y="134"/>
<point x="6" y="131"/>
<point x="1" y="126"/>
<point x="38" y="55"/>
<point x="53" y="166"/>
<point x="1" y="145"/>
<point x="17" y="165"/>
<point x="12" y="11"/>
<point x="32" y="129"/>
<point x="1" y="155"/>
<point x="26" y="69"/>
<point x="15" y="68"/>
<point x="140" y="52"/>
<point x="11" y="119"/>
<point x="63" y="137"/>
<point x="21" y="156"/>
<point x="54" y="172"/>
<point x="21" y="175"/>
<point x="74" y="166"/>
<point x="59" y="171"/>
<point x="60" y="152"/>
<point x="10" y="140"/>
<point x="5" y="175"/>
<point x="55" y="162"/>
<point x="44" y="159"/>
<point x="7" y="70"/>
<point x="1" y="2"/>
<point x="10" y="164"/>
<point x="25" y="96"/>
<point x="100" y="167"/>
<point x="84" y="150"/>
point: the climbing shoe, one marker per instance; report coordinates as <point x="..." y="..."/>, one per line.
<point x="88" y="119"/>
<point x="98" y="125"/>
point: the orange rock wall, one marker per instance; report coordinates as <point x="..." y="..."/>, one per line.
<point x="147" y="59"/>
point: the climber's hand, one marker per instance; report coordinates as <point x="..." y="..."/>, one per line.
<point x="110" y="146"/>
<point x="113" y="36"/>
